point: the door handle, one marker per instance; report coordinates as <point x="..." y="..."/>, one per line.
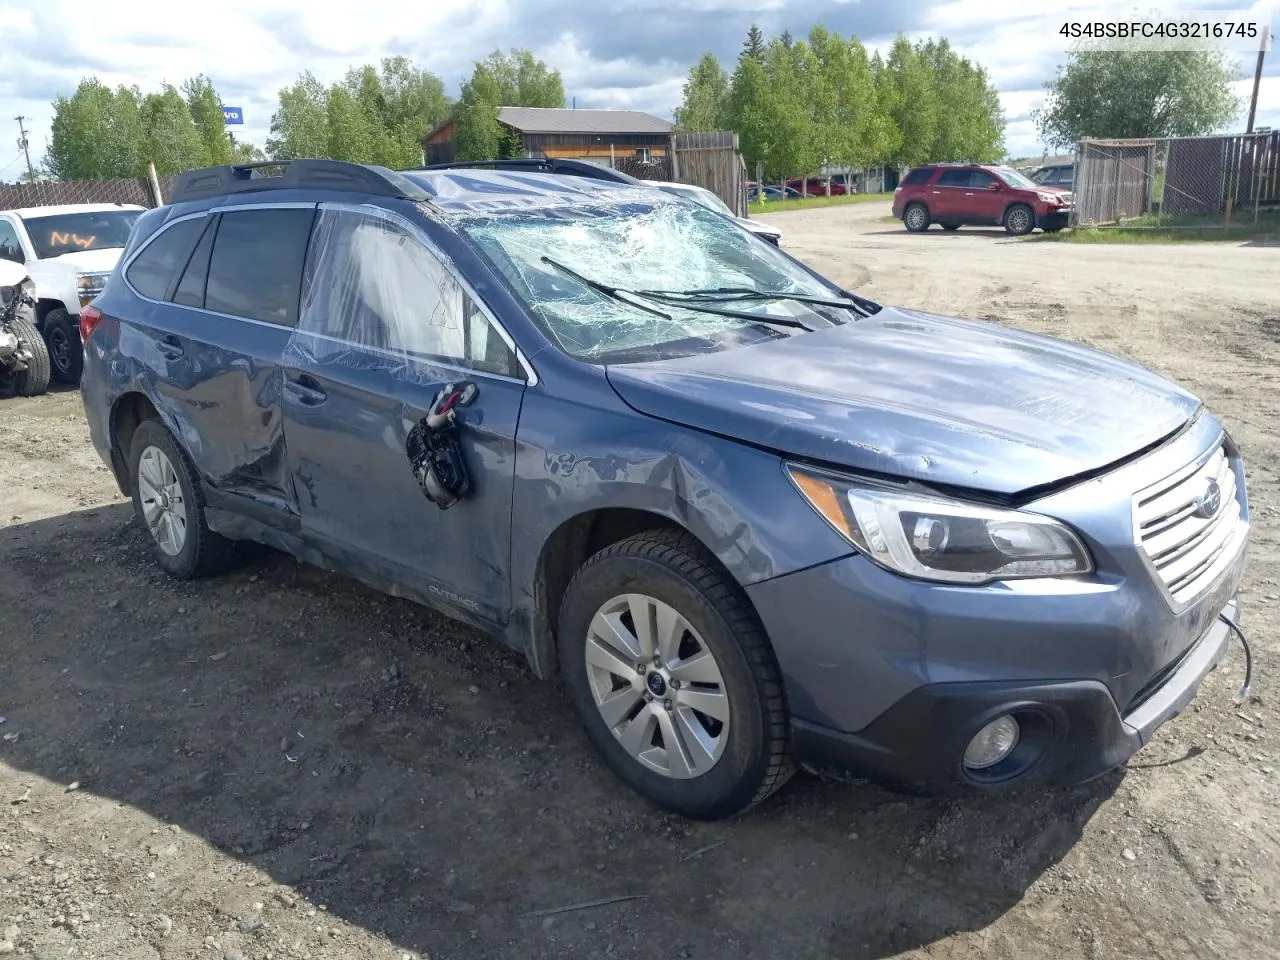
<point x="170" y="346"/>
<point x="306" y="390"/>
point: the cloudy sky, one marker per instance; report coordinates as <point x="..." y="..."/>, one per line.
<point x="611" y="53"/>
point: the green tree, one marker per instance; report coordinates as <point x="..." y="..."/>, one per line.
<point x="706" y="97"/>
<point x="751" y="112"/>
<point x="515" y="79"/>
<point x="206" y="111"/>
<point x="753" y="46"/>
<point x="969" y="120"/>
<point x="888" y="140"/>
<point x="300" y="125"/>
<point x="171" y="140"/>
<point x="914" y="102"/>
<point x="96" y="134"/>
<point x="858" y="132"/>
<point x="1137" y="93"/>
<point x="353" y="134"/>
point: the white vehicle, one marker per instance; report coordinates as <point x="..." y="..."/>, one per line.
<point x="712" y="202"/>
<point x="68" y="251"/>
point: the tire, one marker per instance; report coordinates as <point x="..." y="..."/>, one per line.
<point x="201" y="551"/>
<point x="1019" y="219"/>
<point x="916" y="217"/>
<point x="66" y="353"/>
<point x="670" y="571"/>
<point x="34" y="380"/>
<point x="951" y="226"/>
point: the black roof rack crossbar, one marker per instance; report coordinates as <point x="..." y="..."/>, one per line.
<point x="573" y="168"/>
<point x="305" y="174"/>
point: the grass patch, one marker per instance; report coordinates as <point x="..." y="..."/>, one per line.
<point x="1149" y="229"/>
<point x="807" y="203"/>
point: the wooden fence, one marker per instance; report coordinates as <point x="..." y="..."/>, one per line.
<point x="713" y="161"/>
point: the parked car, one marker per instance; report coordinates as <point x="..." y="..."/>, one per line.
<point x="953" y="195"/>
<point x="771" y="191"/>
<point x="1060" y="175"/>
<point x="817" y="186"/>
<point x="712" y="202"/>
<point x="752" y="520"/>
<point x="69" y="251"/>
<point x="24" y="361"/>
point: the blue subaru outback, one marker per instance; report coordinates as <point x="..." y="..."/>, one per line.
<point x="752" y="520"/>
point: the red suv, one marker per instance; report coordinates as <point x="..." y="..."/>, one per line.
<point x="955" y="194"/>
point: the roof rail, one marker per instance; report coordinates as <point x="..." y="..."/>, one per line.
<point x="573" y="168"/>
<point x="305" y="174"/>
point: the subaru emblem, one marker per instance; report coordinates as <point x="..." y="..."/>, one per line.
<point x="1207" y="503"/>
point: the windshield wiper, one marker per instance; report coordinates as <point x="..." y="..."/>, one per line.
<point x="614" y="293"/>
<point x="730" y="294"/>
<point x="623" y="295"/>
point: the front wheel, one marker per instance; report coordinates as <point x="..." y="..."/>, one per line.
<point x="670" y="673"/>
<point x="65" y="350"/>
<point x="1019" y="219"/>
<point x="34" y="380"/>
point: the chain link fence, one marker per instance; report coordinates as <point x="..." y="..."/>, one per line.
<point x="1190" y="183"/>
<point x="44" y="193"/>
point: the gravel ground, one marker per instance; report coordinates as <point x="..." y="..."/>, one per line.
<point x="279" y="763"/>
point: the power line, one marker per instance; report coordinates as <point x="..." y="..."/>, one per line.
<point x="24" y="144"/>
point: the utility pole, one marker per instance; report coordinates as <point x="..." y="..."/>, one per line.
<point x="1257" y="82"/>
<point x="26" y="149"/>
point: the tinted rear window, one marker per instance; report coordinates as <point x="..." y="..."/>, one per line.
<point x="256" y="267"/>
<point x="190" y="290"/>
<point x="154" y="268"/>
<point x="918" y="176"/>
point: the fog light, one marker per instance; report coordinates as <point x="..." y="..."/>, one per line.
<point x="992" y="743"/>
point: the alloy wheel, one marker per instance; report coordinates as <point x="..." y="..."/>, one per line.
<point x="915" y="218"/>
<point x="163" y="505"/>
<point x="657" y="686"/>
<point x="59" y="349"/>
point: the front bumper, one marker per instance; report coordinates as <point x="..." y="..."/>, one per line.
<point x="1072" y="731"/>
<point x="1053" y="219"/>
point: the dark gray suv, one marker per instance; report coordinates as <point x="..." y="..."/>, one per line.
<point x="753" y="520"/>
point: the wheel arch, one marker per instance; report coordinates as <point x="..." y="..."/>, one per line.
<point x="129" y="410"/>
<point x="568" y="547"/>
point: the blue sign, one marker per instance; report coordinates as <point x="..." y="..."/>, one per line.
<point x="232" y="115"/>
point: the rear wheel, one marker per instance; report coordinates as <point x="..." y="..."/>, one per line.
<point x="34" y="380"/>
<point x="65" y="350"/>
<point x="1019" y="219"/>
<point x="170" y="507"/>
<point x="670" y="673"/>
<point x="916" y="217"/>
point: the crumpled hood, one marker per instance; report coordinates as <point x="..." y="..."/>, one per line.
<point x="913" y="395"/>
<point x="88" y="261"/>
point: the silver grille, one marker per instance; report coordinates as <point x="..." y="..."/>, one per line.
<point x="1188" y="546"/>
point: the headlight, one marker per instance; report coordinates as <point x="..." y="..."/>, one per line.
<point x="935" y="538"/>
<point x="90" y="285"/>
<point x="1049" y="197"/>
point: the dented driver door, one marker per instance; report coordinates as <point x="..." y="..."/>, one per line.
<point x="385" y="327"/>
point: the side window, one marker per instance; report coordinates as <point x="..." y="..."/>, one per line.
<point x="255" y="268"/>
<point x="980" y="179"/>
<point x="153" y="269"/>
<point x="918" y="176"/>
<point x="1066" y="176"/>
<point x="954" y="178"/>
<point x="371" y="284"/>
<point x="10" y="248"/>
<point x="190" y="291"/>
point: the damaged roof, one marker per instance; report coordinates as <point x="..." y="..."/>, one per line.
<point x="476" y="191"/>
<point x="553" y="120"/>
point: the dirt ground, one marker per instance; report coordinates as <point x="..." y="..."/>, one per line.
<point x="279" y="763"/>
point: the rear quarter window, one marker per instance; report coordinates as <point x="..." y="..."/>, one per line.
<point x="255" y="270"/>
<point x="917" y="177"/>
<point x="153" y="269"/>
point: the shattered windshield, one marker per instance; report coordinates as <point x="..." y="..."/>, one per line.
<point x="625" y="261"/>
